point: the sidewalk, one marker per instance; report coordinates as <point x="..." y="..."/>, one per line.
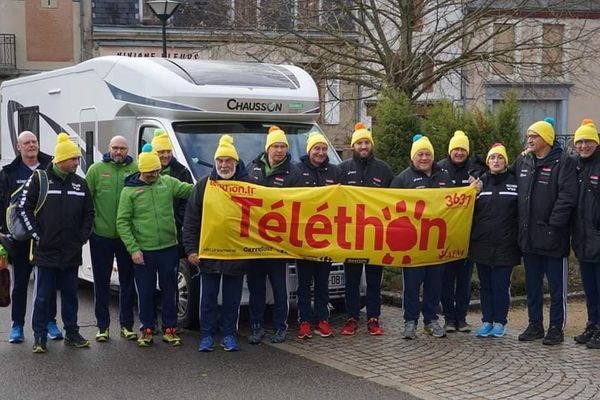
<point x="460" y="366"/>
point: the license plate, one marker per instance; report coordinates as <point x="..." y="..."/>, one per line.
<point x="336" y="280"/>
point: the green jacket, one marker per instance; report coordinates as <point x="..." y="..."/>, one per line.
<point x="145" y="218"/>
<point x="105" y="180"/>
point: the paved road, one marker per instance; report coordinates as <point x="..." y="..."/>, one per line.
<point x="119" y="369"/>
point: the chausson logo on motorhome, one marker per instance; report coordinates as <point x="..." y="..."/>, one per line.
<point x="233" y="104"/>
<point x="194" y="101"/>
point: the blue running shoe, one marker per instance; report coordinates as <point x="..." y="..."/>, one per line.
<point x="230" y="343"/>
<point x="499" y="330"/>
<point x="206" y="344"/>
<point x="484" y="330"/>
<point x="54" y="333"/>
<point x="16" y="334"/>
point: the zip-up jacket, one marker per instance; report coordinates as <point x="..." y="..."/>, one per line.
<point x="323" y="175"/>
<point x="63" y="224"/>
<point x="412" y="178"/>
<point x="284" y="174"/>
<point x="193" y="222"/>
<point x="145" y="218"/>
<point x="14" y="175"/>
<point x="495" y="222"/>
<point x="586" y="223"/>
<point x="472" y="166"/>
<point x="369" y="171"/>
<point x="105" y="180"/>
<point x="547" y="196"/>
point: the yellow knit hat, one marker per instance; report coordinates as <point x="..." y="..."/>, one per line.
<point x="361" y="132"/>
<point x="314" y="138"/>
<point x="544" y="129"/>
<point x="587" y="131"/>
<point x="161" y="141"/>
<point x="275" y="135"/>
<point x="459" y="141"/>
<point x="497" y="148"/>
<point x="420" y="142"/>
<point x="65" y="148"/>
<point x="226" y="148"/>
<point x="148" y="160"/>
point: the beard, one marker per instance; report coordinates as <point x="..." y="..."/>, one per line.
<point x="227" y="175"/>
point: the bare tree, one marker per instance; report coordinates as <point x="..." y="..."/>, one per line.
<point x="410" y="45"/>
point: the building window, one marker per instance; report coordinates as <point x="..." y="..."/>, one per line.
<point x="552" y="53"/>
<point x="504" y="44"/>
<point x="49" y="4"/>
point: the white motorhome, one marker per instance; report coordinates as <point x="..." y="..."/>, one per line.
<point x="194" y="101"/>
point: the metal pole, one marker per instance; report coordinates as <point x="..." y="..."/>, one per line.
<point x="164" y="37"/>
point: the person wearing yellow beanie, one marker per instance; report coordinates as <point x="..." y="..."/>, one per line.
<point x="547" y="195"/>
<point x="363" y="169"/>
<point x="422" y="173"/>
<point x="497" y="148"/>
<point x="65" y="149"/>
<point x="59" y="227"/>
<point x="459" y="141"/>
<point x="361" y="132"/>
<point x="585" y="227"/>
<point x="161" y="141"/>
<point x="275" y="135"/>
<point x="314" y="138"/>
<point x="494" y="243"/>
<point x="543" y="129"/>
<point x="315" y="170"/>
<point x="226" y="148"/>
<point x="146" y="225"/>
<point x="273" y="168"/>
<point x="148" y="160"/>
<point x="456" y="293"/>
<point x="225" y="276"/>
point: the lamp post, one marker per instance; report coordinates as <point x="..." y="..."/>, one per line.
<point x="163" y="9"/>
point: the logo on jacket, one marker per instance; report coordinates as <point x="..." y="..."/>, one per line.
<point x="76" y="186"/>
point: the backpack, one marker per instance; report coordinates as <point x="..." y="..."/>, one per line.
<point x="14" y="223"/>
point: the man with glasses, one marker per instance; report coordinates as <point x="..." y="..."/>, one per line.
<point x="547" y="195"/>
<point x="106" y="180"/>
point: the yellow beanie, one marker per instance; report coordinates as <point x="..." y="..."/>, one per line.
<point x="226" y="148"/>
<point x="587" y="131"/>
<point x="458" y="141"/>
<point x="161" y="141"/>
<point x="361" y="132"/>
<point x="148" y="160"/>
<point x="65" y="148"/>
<point x="314" y="138"/>
<point x="544" y="129"/>
<point x="275" y="135"/>
<point x="497" y="148"/>
<point x="420" y="142"/>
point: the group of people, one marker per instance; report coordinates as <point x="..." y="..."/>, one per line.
<point x="147" y="215"/>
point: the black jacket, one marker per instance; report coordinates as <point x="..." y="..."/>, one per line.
<point x="11" y="180"/>
<point x="412" y="178"/>
<point x="473" y="166"/>
<point x="179" y="171"/>
<point x="286" y="174"/>
<point x="586" y="222"/>
<point x="495" y="222"/>
<point x="547" y="196"/>
<point x="323" y="175"/>
<point x="193" y="222"/>
<point x="369" y="171"/>
<point x="63" y="224"/>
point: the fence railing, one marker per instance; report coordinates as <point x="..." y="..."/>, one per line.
<point x="8" y="53"/>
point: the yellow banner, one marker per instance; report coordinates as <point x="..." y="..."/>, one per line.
<point x="390" y="227"/>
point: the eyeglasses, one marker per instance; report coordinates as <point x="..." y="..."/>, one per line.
<point x="117" y="148"/>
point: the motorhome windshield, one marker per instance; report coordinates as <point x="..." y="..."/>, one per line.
<point x="199" y="141"/>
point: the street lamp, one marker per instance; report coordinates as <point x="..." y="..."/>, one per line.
<point x="163" y="9"/>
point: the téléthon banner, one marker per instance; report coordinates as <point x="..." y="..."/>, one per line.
<point x="389" y="227"/>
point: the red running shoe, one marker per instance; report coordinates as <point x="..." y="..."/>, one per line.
<point x="324" y="329"/>
<point x="373" y="327"/>
<point x="305" y="331"/>
<point x="350" y="328"/>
